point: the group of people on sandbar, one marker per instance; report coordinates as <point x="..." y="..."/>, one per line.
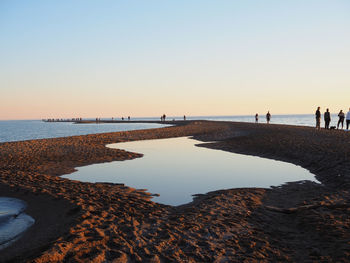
<point x="268" y="117"/>
<point x="327" y="119"/>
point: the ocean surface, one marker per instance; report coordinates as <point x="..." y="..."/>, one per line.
<point x="18" y="130"/>
<point x="13" y="220"/>
<point x="37" y="129"/>
<point x="176" y="169"/>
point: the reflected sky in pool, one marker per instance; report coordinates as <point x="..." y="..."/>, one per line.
<point x="176" y="169"/>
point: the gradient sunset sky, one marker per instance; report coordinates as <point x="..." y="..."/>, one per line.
<point x="117" y="58"/>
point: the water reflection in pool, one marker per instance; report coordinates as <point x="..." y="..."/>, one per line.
<point x="176" y="169"/>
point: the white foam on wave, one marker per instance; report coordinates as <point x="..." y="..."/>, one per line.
<point x="13" y="220"/>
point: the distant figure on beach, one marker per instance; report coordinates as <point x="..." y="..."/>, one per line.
<point x="122" y="118"/>
<point x="184" y="117"/>
<point x="268" y="117"/>
<point x="341" y="116"/>
<point x="164" y="116"/>
<point x="128" y="118"/>
<point x="327" y="119"/>
<point x="318" y="118"/>
<point x="348" y="119"/>
<point x="256" y="118"/>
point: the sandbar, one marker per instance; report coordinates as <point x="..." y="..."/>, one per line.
<point x="101" y="222"/>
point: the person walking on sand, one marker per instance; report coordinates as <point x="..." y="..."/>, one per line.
<point x="348" y="119"/>
<point x="268" y="117"/>
<point x="256" y="118"/>
<point x="318" y="118"/>
<point x="341" y="116"/>
<point x="327" y="119"/>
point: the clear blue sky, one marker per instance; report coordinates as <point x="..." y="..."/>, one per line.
<point x="145" y="58"/>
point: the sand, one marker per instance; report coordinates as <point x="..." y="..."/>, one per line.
<point x="85" y="222"/>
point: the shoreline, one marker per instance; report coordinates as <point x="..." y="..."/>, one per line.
<point x="118" y="222"/>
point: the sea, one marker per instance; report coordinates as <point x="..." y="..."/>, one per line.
<point x="19" y="130"/>
<point x="13" y="220"/>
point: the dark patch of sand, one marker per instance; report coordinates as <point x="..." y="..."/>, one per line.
<point x="115" y="223"/>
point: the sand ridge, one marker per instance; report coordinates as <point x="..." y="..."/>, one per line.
<point x="115" y="223"/>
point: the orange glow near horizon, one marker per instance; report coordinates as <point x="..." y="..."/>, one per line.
<point x="120" y="59"/>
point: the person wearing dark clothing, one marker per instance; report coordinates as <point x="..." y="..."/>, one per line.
<point x="348" y="119"/>
<point x="256" y="118"/>
<point x="341" y="116"/>
<point x="268" y="117"/>
<point x="327" y="119"/>
<point x="318" y="118"/>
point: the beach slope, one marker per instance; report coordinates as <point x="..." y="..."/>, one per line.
<point x="80" y="222"/>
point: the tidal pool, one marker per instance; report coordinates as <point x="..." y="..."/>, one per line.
<point x="176" y="169"/>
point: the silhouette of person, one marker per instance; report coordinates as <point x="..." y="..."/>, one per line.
<point x="256" y="118"/>
<point x="348" y="119"/>
<point x="128" y="118"/>
<point x="341" y="116"/>
<point x="268" y="117"/>
<point x="327" y="119"/>
<point x="318" y="118"/>
<point x="164" y="116"/>
<point x="184" y="117"/>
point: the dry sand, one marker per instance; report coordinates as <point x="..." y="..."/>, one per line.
<point x="85" y="222"/>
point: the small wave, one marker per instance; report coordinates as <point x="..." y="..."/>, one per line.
<point x="13" y="220"/>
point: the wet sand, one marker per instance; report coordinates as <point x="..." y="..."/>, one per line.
<point x="85" y="222"/>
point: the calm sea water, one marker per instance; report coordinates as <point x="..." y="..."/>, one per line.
<point x="176" y="169"/>
<point x="35" y="129"/>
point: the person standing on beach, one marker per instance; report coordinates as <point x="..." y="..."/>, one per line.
<point x="318" y="118"/>
<point x="327" y="119"/>
<point x="348" y="119"/>
<point x="268" y="117"/>
<point x="341" y="116"/>
<point x="256" y="118"/>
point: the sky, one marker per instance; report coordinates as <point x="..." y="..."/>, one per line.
<point x="83" y="58"/>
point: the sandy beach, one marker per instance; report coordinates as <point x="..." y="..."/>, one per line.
<point x="86" y="222"/>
